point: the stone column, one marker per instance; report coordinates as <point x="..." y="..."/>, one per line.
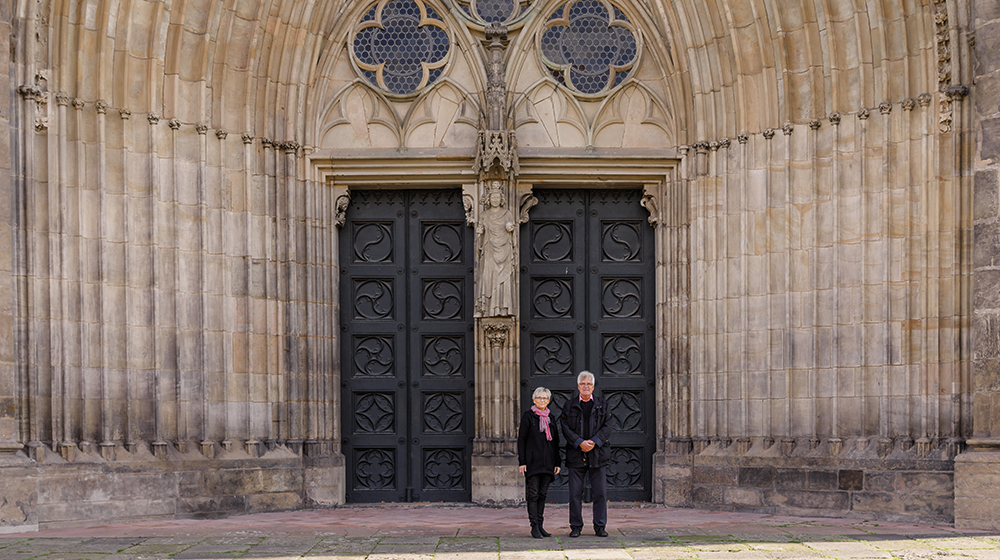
<point x="977" y="470"/>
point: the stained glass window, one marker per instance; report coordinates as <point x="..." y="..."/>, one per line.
<point x="401" y="46"/>
<point x="589" y="46"/>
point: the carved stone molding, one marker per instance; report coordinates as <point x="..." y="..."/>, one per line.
<point x="201" y="128"/>
<point x="743" y="137"/>
<point x="247" y="138"/>
<point x="153" y="119"/>
<point x="174" y="124"/>
<point x="834" y="118"/>
<point x="221" y="134"/>
<point x="343" y="201"/>
<point x="125" y="114"/>
<point x="725" y="143"/>
<point x="814" y="124"/>
<point x="885" y="107"/>
<point x="101" y="106"/>
<point x="78" y="103"/>
<point x="290" y="147"/>
<point x="496" y="332"/>
<point x="787" y="128"/>
<point x="62" y="99"/>
<point x="768" y="133"/>
<point x="863" y="113"/>
<point x="924" y="99"/>
<point x="909" y="103"/>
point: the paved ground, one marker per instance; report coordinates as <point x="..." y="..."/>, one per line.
<point x="405" y="532"/>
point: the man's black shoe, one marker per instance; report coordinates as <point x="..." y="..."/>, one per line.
<point x="575" y="532"/>
<point x="600" y="532"/>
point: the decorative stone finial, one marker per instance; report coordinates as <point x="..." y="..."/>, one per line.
<point x="834" y="118"/>
<point x="743" y="137"/>
<point x="247" y="138"/>
<point x="909" y="103"/>
<point x="863" y="113"/>
<point x="201" y="128"/>
<point x="924" y="99"/>
<point x="885" y="107"/>
<point x="78" y="103"/>
<point x="174" y="124"/>
<point x="221" y="134"/>
<point x="725" y="143"/>
<point x="62" y="99"/>
<point x="153" y="119"/>
<point x="768" y="133"/>
<point x="787" y="128"/>
<point x="125" y="114"/>
<point x="814" y="124"/>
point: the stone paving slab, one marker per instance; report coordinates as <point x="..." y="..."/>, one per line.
<point x="450" y="532"/>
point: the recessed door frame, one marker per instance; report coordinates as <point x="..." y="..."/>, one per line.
<point x="665" y="196"/>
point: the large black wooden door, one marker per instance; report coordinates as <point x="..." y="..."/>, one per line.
<point x="407" y="346"/>
<point x="587" y="300"/>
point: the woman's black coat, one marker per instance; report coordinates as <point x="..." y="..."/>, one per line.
<point x="600" y="427"/>
<point x="539" y="454"/>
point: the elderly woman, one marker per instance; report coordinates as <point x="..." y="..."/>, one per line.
<point x="538" y="457"/>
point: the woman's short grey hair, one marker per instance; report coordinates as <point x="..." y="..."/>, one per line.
<point x="541" y="392"/>
<point x="585" y="376"/>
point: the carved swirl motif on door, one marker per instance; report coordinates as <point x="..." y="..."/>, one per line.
<point x="373" y="356"/>
<point x="443" y="356"/>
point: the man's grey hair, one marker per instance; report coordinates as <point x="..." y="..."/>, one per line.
<point x="542" y="392"/>
<point x="585" y="376"/>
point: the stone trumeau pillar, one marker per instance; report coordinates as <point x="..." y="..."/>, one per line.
<point x="977" y="470"/>
<point x="491" y="211"/>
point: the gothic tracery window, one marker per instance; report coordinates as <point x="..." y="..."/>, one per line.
<point x="589" y="46"/>
<point x="401" y="46"/>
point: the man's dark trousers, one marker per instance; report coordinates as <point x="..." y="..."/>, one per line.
<point x="598" y="491"/>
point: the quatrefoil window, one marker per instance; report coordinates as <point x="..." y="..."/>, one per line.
<point x="589" y="46"/>
<point x="401" y="46"/>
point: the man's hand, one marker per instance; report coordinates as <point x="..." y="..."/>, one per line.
<point x="556" y="470"/>
<point x="587" y="445"/>
<point x="523" y="469"/>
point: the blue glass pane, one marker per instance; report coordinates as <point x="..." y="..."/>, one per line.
<point x="401" y="44"/>
<point x="495" y="11"/>
<point x="589" y="46"/>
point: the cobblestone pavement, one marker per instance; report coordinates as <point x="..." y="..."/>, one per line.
<point x="405" y="532"/>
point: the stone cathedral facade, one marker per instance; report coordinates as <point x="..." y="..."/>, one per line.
<point x="273" y="254"/>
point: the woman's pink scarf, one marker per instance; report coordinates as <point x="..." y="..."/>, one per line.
<point x="543" y="421"/>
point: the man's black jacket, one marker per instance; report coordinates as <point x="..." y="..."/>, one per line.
<point x="600" y="428"/>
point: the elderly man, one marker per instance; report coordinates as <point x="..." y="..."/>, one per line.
<point x="586" y="425"/>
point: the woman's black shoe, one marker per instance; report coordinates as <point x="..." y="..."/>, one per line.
<point x="535" y="532"/>
<point x="544" y="532"/>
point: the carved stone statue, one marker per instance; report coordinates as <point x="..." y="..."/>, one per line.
<point x="495" y="232"/>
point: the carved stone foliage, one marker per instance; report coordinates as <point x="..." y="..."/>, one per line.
<point x="401" y="46"/>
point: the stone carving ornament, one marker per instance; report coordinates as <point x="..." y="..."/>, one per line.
<point x="495" y="233"/>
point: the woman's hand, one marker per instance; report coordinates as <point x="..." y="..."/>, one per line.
<point x="524" y="469"/>
<point x="555" y="470"/>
